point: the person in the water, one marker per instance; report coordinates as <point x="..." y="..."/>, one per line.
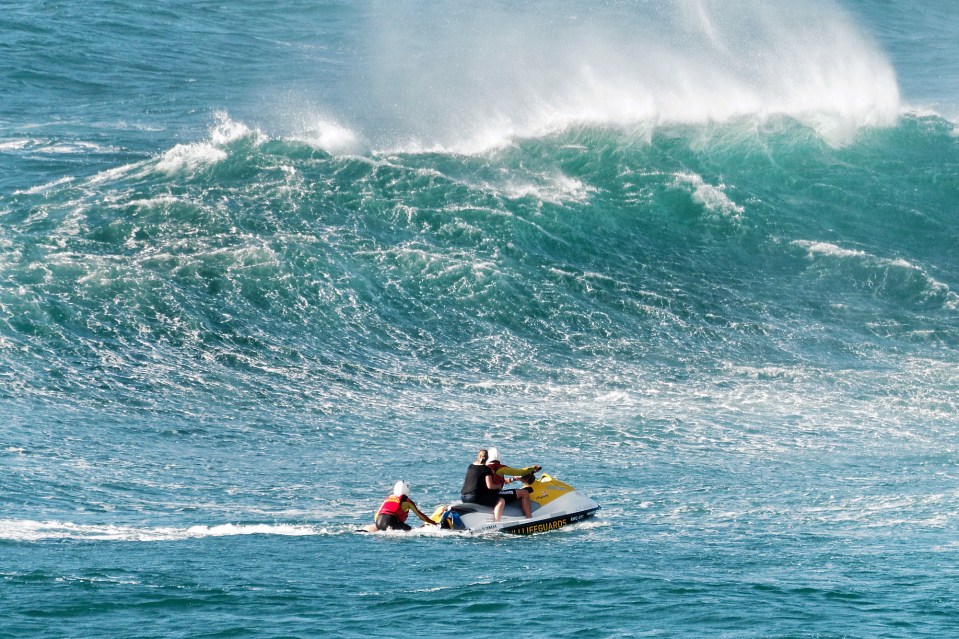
<point x="396" y="508"/>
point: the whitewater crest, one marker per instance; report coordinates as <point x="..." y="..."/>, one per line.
<point x="325" y="133"/>
<point x="467" y="79"/>
<point x="319" y="132"/>
<point x="190" y="157"/>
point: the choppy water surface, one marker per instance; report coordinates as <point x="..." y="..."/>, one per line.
<point x="697" y="259"/>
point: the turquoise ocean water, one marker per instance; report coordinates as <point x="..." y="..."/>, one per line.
<point x="699" y="259"/>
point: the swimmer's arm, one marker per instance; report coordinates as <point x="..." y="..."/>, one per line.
<point x="409" y="505"/>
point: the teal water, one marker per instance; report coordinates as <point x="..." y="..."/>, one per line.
<point x="697" y="259"/>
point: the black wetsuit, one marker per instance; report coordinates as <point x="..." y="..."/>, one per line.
<point x="391" y="522"/>
<point x="474" y="489"/>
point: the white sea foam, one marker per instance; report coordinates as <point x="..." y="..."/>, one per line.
<point x="712" y="197"/>
<point x="14" y="145"/>
<point x="71" y="148"/>
<point x="29" y="530"/>
<point x="55" y="147"/>
<point x="43" y="188"/>
<point x="190" y="157"/>
<point x="116" y="173"/>
<point x="163" y="200"/>
<point x="554" y="188"/>
<point x="827" y="249"/>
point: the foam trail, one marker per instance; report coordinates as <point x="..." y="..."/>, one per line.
<point x="25" y="530"/>
<point x="470" y="77"/>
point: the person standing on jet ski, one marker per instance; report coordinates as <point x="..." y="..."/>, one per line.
<point x="483" y="482"/>
<point x="396" y="508"/>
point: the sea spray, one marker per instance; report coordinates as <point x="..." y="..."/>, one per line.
<point x="472" y="77"/>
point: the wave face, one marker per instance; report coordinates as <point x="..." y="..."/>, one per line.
<point x="244" y="264"/>
<point x="697" y="259"/>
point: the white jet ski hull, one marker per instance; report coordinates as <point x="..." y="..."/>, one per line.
<point x="554" y="505"/>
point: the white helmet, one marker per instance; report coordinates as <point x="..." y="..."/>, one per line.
<point x="492" y="455"/>
<point x="401" y="488"/>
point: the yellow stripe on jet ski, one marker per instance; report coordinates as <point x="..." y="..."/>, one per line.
<point x="546" y="489"/>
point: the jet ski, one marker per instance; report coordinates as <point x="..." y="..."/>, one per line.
<point x="552" y="503"/>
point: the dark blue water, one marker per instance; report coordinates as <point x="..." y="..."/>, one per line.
<point x="697" y="259"/>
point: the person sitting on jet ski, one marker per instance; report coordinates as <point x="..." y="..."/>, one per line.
<point x="498" y="479"/>
<point x="480" y="487"/>
<point x="396" y="508"/>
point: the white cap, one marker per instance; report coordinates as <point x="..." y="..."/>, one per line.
<point x="492" y="455"/>
<point x="401" y="488"/>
